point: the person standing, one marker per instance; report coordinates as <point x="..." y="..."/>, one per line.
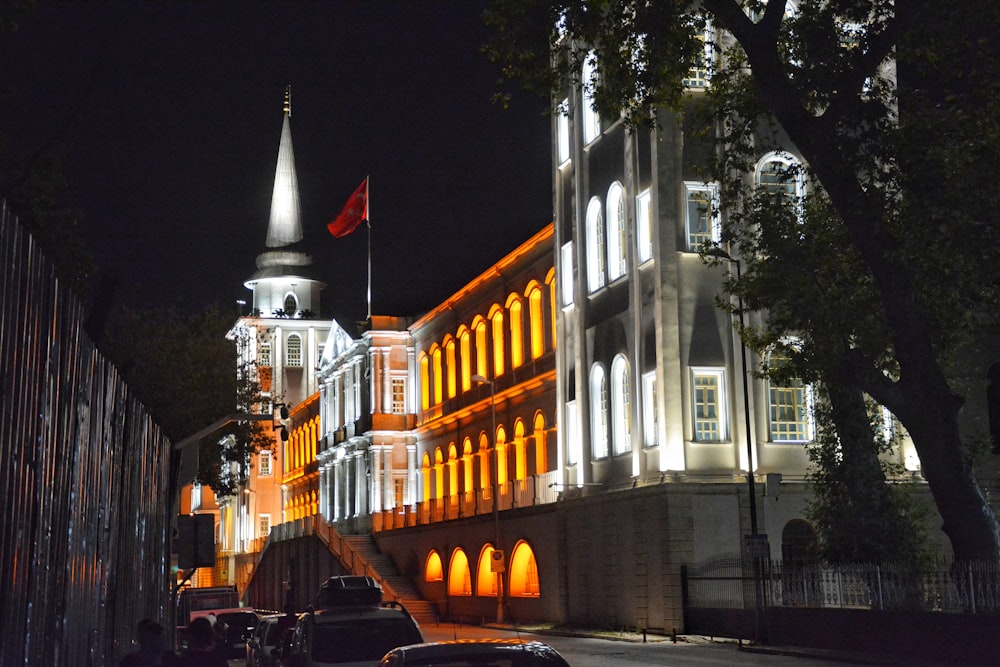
<point x="153" y="648"/>
<point x="201" y="642"/>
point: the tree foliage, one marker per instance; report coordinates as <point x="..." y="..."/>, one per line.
<point x="183" y="368"/>
<point x="884" y="272"/>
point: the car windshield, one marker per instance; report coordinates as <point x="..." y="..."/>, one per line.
<point x="361" y="639"/>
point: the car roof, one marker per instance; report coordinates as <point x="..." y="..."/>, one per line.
<point x="454" y="647"/>
<point x="331" y="614"/>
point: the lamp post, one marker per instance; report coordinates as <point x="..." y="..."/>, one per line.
<point x="495" y="481"/>
<point x="754" y="539"/>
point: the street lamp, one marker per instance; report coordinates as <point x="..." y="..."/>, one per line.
<point x="495" y="481"/>
<point x="754" y="540"/>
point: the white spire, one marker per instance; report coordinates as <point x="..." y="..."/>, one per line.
<point x="285" y="224"/>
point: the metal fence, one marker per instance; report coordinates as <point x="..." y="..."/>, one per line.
<point x="84" y="480"/>
<point x="732" y="583"/>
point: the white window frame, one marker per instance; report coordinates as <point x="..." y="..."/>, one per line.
<point x="265" y="355"/>
<point x="265" y="467"/>
<point x="562" y="132"/>
<point x="591" y="119"/>
<point x="701" y="77"/>
<point x="644" y="226"/>
<point x="595" y="245"/>
<point x="566" y="274"/>
<point x="788" y="161"/>
<point x="650" y="410"/>
<point x="599" y="412"/>
<point x="263" y="525"/>
<point x="621" y="405"/>
<point x="695" y="236"/>
<point x="721" y="408"/>
<point x="293" y="353"/>
<point x="617" y="233"/>
<point x="572" y="434"/>
<point x="803" y="401"/>
<point x="397" y="391"/>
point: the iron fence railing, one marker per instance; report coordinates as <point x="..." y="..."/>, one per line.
<point x="84" y="483"/>
<point x="730" y="583"/>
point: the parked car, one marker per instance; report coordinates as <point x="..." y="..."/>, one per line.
<point x="234" y="629"/>
<point x="351" y="626"/>
<point x="267" y="637"/>
<point x="470" y="652"/>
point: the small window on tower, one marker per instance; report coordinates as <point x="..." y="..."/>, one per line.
<point x="291" y="305"/>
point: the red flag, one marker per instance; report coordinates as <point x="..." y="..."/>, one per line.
<point x="355" y="212"/>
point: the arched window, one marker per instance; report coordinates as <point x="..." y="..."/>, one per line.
<point x="502" y="473"/>
<point x="291" y="304"/>
<point x="599" y="411"/>
<point x="523" y="575"/>
<point x="438" y="473"/>
<point x="479" y="326"/>
<point x="449" y="362"/>
<point x="536" y="318"/>
<point x="520" y="452"/>
<point x="595" y="245"/>
<point x="617" y="240"/>
<point x="541" y="445"/>
<point x="293" y="350"/>
<point x="433" y="570"/>
<point x="789" y="413"/>
<point x="781" y="175"/>
<point x="465" y="355"/>
<point x="425" y="468"/>
<point x="516" y="331"/>
<point x="486" y="579"/>
<point x="621" y="397"/>
<point x="550" y="280"/>
<point x="588" y="79"/>
<point x="453" y="489"/>
<point x="485" y="473"/>
<point x="644" y="226"/>
<point x="496" y="317"/>
<point x="459" y="576"/>
<point x="425" y="382"/>
<point x="467" y="466"/>
<point x="437" y="374"/>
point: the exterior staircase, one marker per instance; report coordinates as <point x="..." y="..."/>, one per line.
<point x="394" y="585"/>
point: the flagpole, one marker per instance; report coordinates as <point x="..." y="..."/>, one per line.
<point x="368" y="222"/>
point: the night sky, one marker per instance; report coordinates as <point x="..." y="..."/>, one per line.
<point x="169" y="116"/>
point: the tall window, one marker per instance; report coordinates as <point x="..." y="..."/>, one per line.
<point x="617" y="242"/>
<point x="498" y="342"/>
<point x="536" y="321"/>
<point x="709" y="405"/>
<point x="622" y="405"/>
<point x="265" y="354"/>
<point x="449" y="362"/>
<point x="293" y="350"/>
<point x="465" y="354"/>
<point x="591" y="119"/>
<point x="644" y="226"/>
<point x="263" y="525"/>
<point x="516" y="331"/>
<point x="595" y="246"/>
<point x="398" y="396"/>
<point x="437" y="374"/>
<point x="789" y="414"/>
<point x="701" y="70"/>
<point x="566" y="274"/>
<point x="701" y="201"/>
<point x="264" y="463"/>
<point x="572" y="438"/>
<point x="481" y="350"/>
<point x="780" y="174"/>
<point x="562" y="131"/>
<point x="425" y="382"/>
<point x="650" y="410"/>
<point x="599" y="411"/>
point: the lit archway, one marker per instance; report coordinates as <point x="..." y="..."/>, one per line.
<point x="432" y="568"/>
<point x="523" y="572"/>
<point x="486" y="579"/>
<point x="459" y="576"/>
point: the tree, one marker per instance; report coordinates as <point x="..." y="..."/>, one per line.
<point x="184" y="370"/>
<point x="894" y="108"/>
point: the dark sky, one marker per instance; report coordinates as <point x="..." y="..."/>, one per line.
<point x="169" y="114"/>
